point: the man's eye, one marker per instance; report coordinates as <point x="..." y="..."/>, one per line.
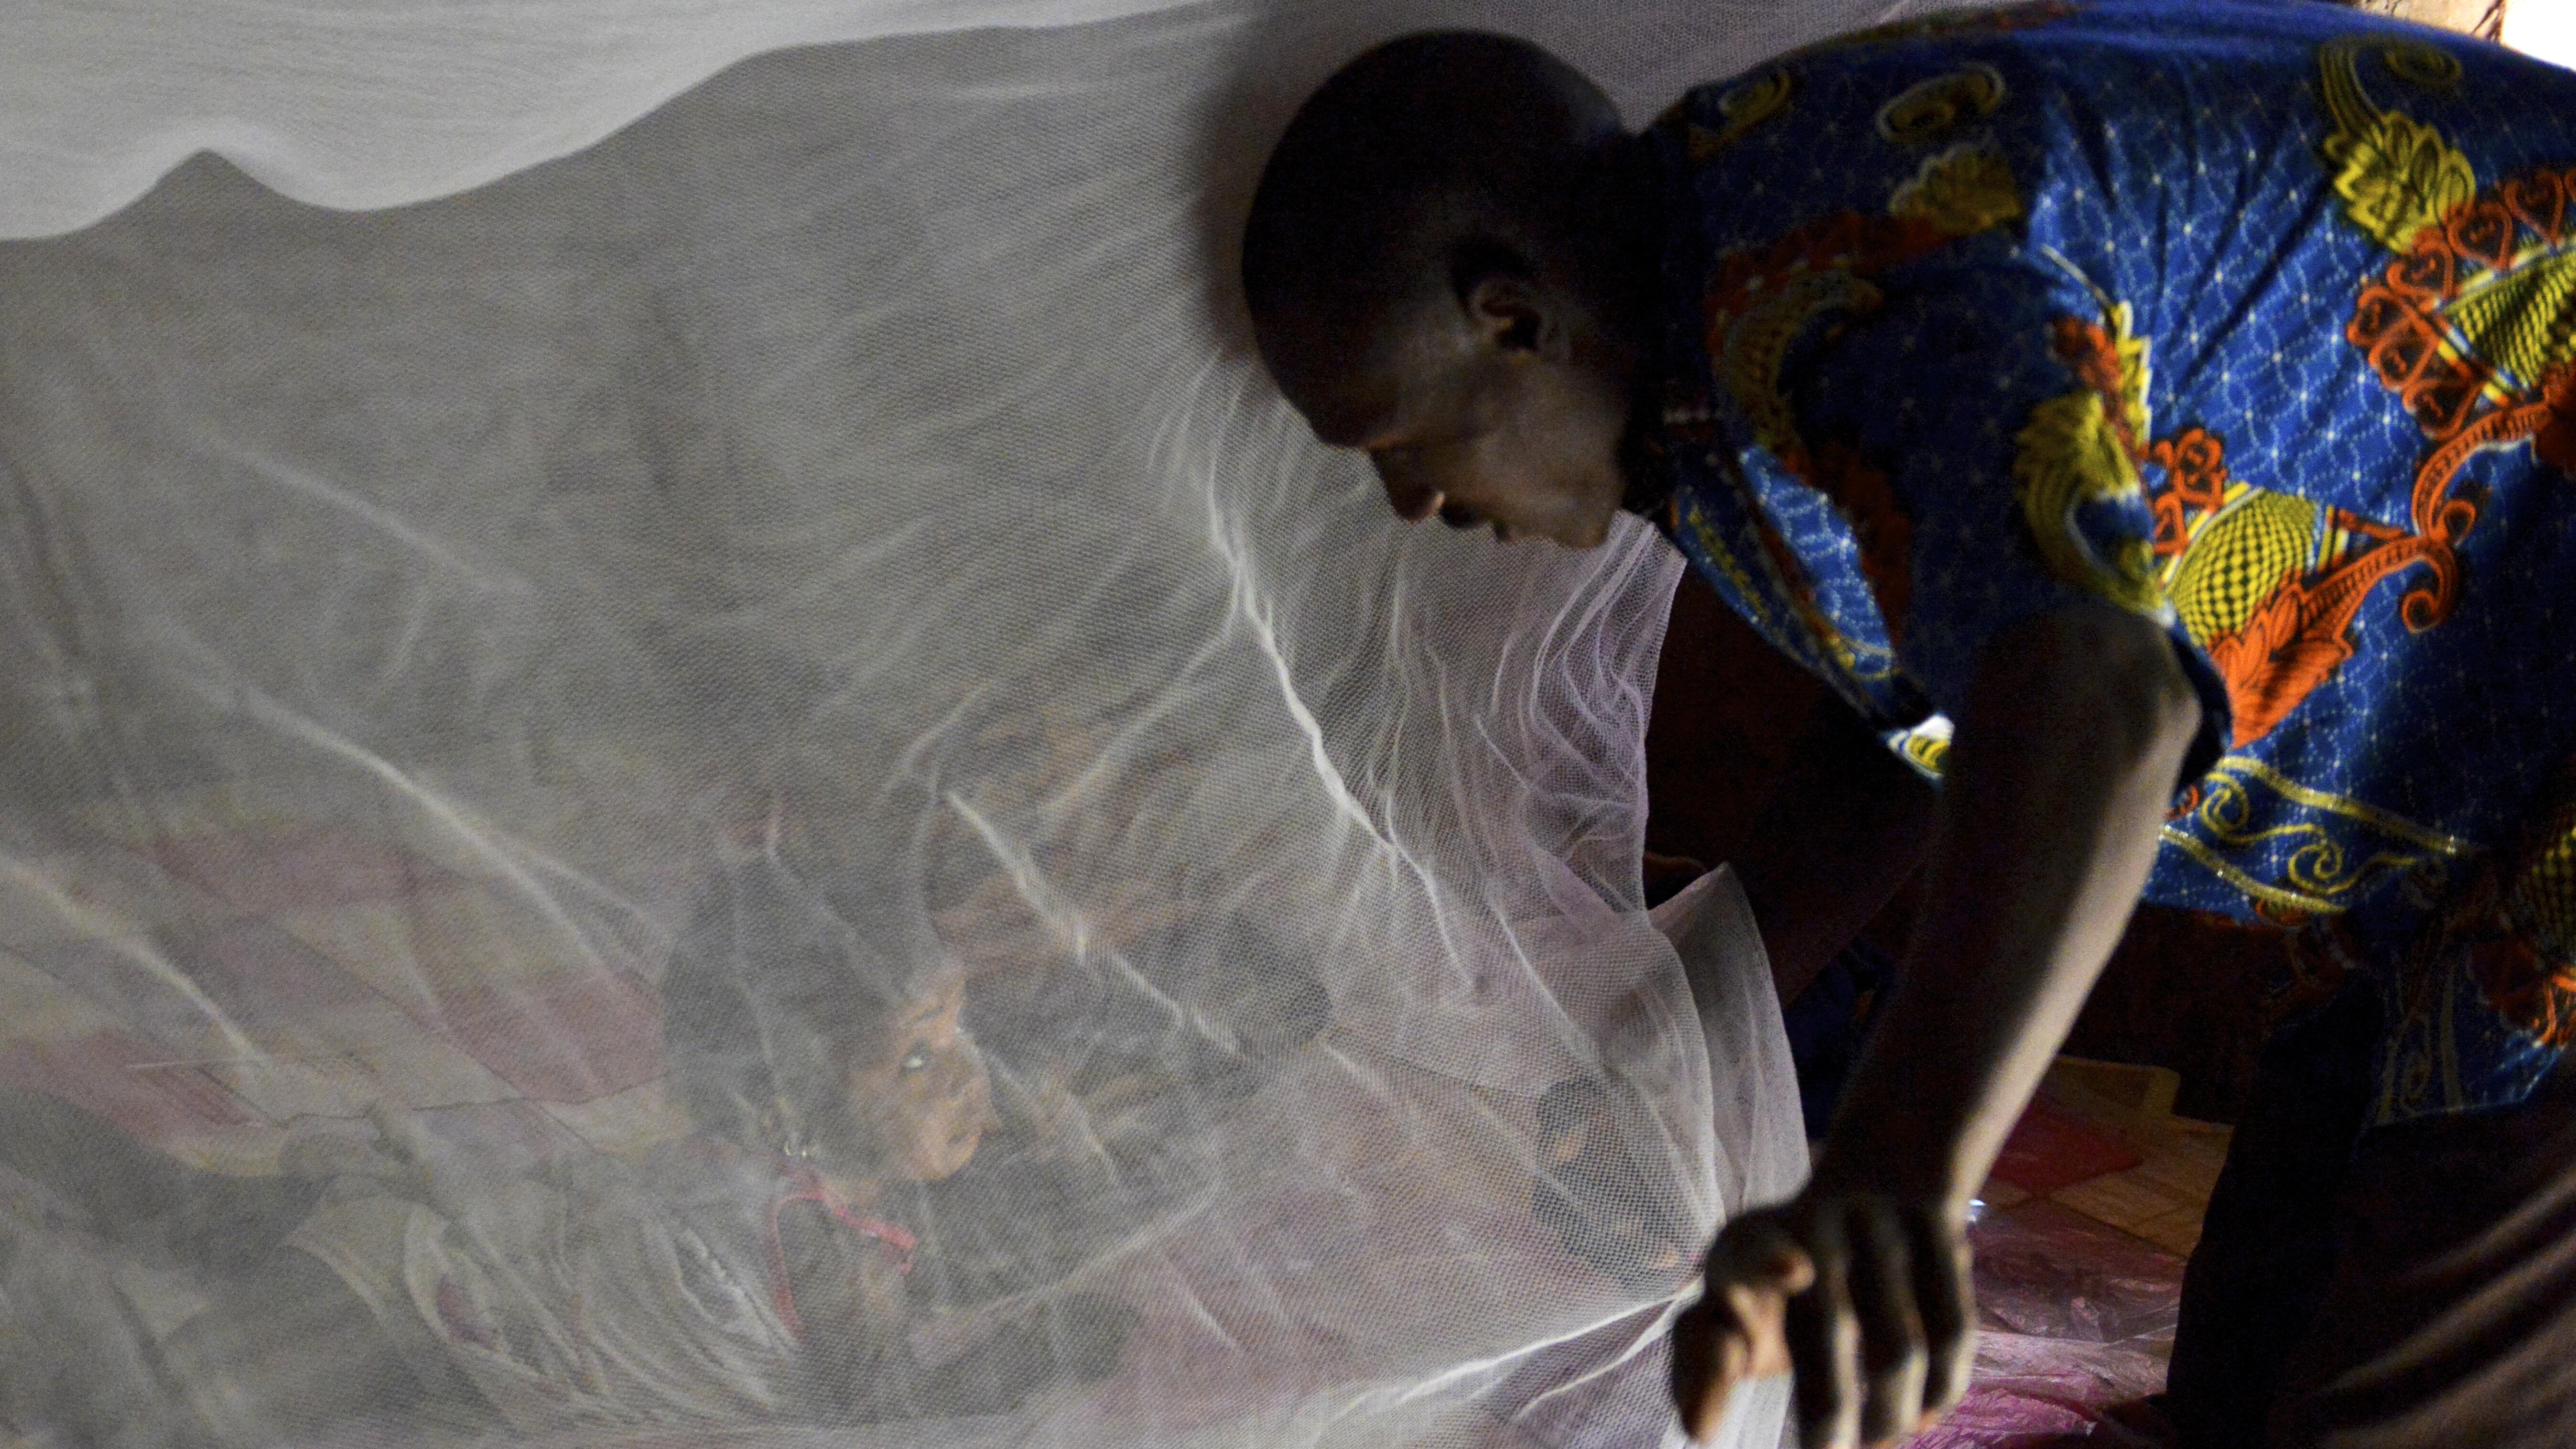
<point x="917" y="1058"/>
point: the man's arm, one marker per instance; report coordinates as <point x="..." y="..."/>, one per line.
<point x="1845" y="829"/>
<point x="2061" y="774"/>
<point x="2064" y="760"/>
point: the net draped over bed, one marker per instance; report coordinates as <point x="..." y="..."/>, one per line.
<point x="477" y="485"/>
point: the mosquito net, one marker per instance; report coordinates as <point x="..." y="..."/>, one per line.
<point x="692" y="752"/>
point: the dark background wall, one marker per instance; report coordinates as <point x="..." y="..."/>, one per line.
<point x="2180" y="992"/>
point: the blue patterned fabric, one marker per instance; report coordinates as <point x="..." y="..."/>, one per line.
<point x="2258" y="319"/>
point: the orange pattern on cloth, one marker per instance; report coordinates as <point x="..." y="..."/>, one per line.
<point x="2234" y="401"/>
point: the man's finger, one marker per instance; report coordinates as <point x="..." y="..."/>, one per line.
<point x="1945" y="1298"/>
<point x="1824" y="1342"/>
<point x="1761" y="1253"/>
<point x="1735" y="1332"/>
<point x="1893" y="1359"/>
<point x="1718" y="1345"/>
<point x="1785" y="1267"/>
<point x="1706" y="1363"/>
<point x="1770" y="1267"/>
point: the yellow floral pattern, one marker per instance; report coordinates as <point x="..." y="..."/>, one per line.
<point x="1743" y="108"/>
<point x="2396" y="175"/>
<point x="2076" y="450"/>
<point x="1927" y="110"/>
<point x="2069" y="455"/>
<point x="1962" y="191"/>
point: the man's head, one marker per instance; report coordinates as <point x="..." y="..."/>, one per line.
<point x="1445" y="268"/>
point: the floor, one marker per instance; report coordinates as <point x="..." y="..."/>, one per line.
<point x="2088" y="1217"/>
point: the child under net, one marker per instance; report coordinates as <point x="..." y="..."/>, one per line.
<point x="747" y="1273"/>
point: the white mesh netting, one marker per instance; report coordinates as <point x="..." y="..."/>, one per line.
<point x="645" y="595"/>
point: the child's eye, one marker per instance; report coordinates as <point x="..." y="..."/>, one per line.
<point x="917" y="1058"/>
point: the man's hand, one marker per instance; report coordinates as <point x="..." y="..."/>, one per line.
<point x="2076" y="724"/>
<point x="1867" y="1294"/>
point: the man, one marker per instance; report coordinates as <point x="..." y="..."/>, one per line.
<point x="2156" y="421"/>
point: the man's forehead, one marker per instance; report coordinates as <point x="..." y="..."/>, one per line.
<point x="1349" y="387"/>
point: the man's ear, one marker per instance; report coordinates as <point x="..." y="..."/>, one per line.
<point x="1506" y="314"/>
<point x="1504" y="307"/>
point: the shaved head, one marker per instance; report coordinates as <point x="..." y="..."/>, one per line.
<point x="1418" y="166"/>
<point x="1443" y="246"/>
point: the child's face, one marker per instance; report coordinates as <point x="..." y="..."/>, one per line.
<point x="927" y="1100"/>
